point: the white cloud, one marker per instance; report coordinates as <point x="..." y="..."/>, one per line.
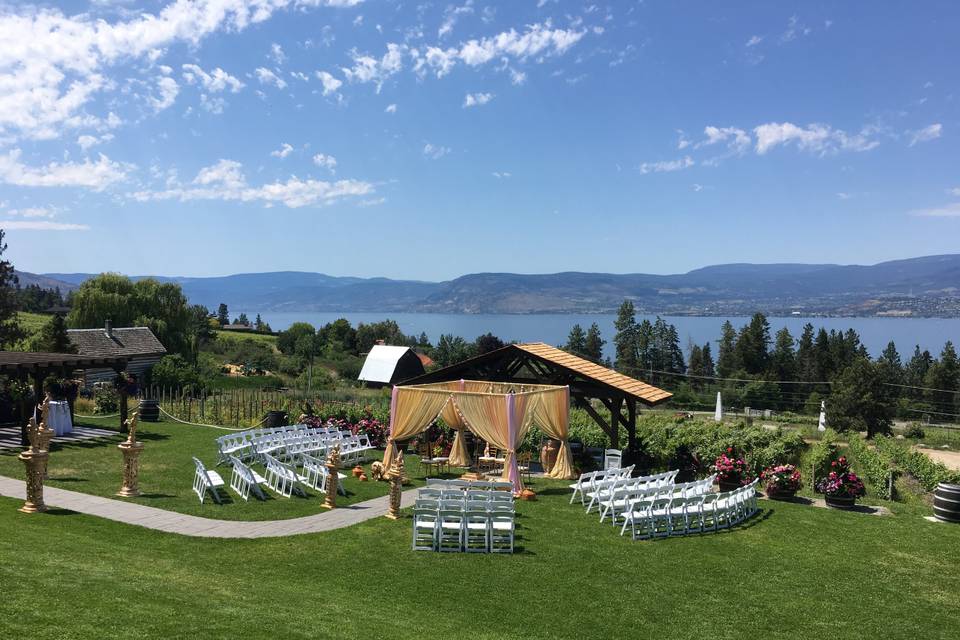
<point x="391" y="108"/>
<point x="33" y="212"/>
<point x="52" y="66"/>
<point x="682" y="141"/>
<point x="265" y="76"/>
<point x="168" y="89"/>
<point x="276" y="54"/>
<point x="371" y="202"/>
<point x="86" y="141"/>
<point x="816" y="138"/>
<point x="664" y="166"/>
<point x="754" y="41"/>
<point x="369" y="69"/>
<point x="476" y="99"/>
<point x="954" y="192"/>
<point x="697" y="188"/>
<point x="502" y="174"/>
<point x="329" y="82"/>
<point x="517" y="77"/>
<point x="284" y="150"/>
<point x="795" y="29"/>
<point x="94" y="175"/>
<point x="951" y="210"/>
<point x="325" y="161"/>
<point x="539" y="40"/>
<point x="450" y="17"/>
<point x="930" y="132"/>
<point x="216" y="81"/>
<point x="843" y="195"/>
<point x="435" y="152"/>
<point x="737" y="140"/>
<point x="225" y="181"/>
<point x="42" y="225"/>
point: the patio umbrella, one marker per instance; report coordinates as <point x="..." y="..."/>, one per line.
<point x="822" y="424"/>
<point x="718" y="413"/>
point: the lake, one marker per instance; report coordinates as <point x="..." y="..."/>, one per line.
<point x="875" y="333"/>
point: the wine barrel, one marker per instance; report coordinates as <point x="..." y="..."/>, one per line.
<point x="946" y="502"/>
<point x="275" y="419"/>
<point x="149" y="410"/>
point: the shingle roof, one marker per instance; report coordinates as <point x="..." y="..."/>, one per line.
<point x="646" y="392"/>
<point x="123" y="341"/>
<point x="30" y="361"/>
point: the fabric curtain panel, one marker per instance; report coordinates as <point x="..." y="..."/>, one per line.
<point x="411" y="412"/>
<point x="459" y="456"/>
<point x="551" y="412"/>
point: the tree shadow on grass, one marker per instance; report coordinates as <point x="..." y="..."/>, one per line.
<point x="67" y="479"/>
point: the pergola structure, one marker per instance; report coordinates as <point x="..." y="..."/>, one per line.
<point x="35" y="367"/>
<point x="539" y="363"/>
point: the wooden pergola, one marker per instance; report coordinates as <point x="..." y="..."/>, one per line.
<point x="539" y="363"/>
<point x="35" y="367"/>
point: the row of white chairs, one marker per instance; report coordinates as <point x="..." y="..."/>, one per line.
<point x="464" y="485"/>
<point x="471" y="528"/>
<point x="602" y="489"/>
<point x="592" y="480"/>
<point x="670" y="515"/>
<point x="281" y="477"/>
<point x="620" y="497"/>
<point x="289" y="447"/>
<point x="467" y="497"/>
<point x="244" y="444"/>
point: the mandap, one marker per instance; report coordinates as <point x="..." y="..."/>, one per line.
<point x="499" y="412"/>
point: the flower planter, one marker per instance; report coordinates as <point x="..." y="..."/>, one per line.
<point x="840" y="502"/>
<point x="781" y="495"/>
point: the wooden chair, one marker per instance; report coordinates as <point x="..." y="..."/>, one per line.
<point x="427" y="463"/>
<point x="524" y="461"/>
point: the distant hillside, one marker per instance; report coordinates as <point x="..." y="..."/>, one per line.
<point x="927" y="286"/>
<point x="45" y="281"/>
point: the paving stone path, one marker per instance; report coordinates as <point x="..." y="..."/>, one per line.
<point x="173" y="522"/>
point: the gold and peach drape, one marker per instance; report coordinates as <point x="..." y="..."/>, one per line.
<point x="502" y="420"/>
<point x="459" y="456"/>
<point x="410" y="413"/>
<point x="551" y="412"/>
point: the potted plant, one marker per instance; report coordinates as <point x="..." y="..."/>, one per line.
<point x="731" y="470"/>
<point x="842" y="487"/>
<point x="781" y="481"/>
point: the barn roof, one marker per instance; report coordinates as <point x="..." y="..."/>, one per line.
<point x="34" y="361"/>
<point x="381" y="363"/>
<point x="118" y="342"/>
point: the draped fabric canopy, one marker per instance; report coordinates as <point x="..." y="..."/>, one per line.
<point x="500" y="413"/>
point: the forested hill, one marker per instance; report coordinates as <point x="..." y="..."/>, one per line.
<point x="927" y="286"/>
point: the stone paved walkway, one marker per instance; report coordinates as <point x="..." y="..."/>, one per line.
<point x="173" y="522"/>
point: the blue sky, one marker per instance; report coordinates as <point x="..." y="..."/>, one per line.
<point x="426" y="140"/>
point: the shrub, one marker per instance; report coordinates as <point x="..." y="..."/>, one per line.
<point x="875" y="466"/>
<point x="927" y="472"/>
<point x="106" y="400"/>
<point x="823" y="453"/>
<point x="914" y="431"/>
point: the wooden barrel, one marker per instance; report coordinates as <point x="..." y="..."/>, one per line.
<point x="149" y="410"/>
<point x="946" y="502"/>
<point x="275" y="419"/>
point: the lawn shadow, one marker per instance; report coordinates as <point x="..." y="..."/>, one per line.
<point x="150" y="496"/>
<point x="67" y="479"/>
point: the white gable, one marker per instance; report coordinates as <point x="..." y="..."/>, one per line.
<point x="381" y="363"/>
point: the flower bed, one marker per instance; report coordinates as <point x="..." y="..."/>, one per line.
<point x="781" y="480"/>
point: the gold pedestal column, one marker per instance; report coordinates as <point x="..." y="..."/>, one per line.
<point x="396" y="482"/>
<point x="333" y="479"/>
<point x="131" y="450"/>
<point x="35" y="461"/>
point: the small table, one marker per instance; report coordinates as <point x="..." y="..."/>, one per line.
<point x="58" y="417"/>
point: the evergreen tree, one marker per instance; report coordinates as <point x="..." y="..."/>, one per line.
<point x="943" y="381"/>
<point x="860" y="400"/>
<point x="10" y="330"/>
<point x="727" y="356"/>
<point x="645" y="344"/>
<point x="783" y="361"/>
<point x="915" y="373"/>
<point x="709" y="369"/>
<point x="674" y="352"/>
<point x="752" y="344"/>
<point x="806" y="356"/>
<point x="576" y="341"/>
<point x="223" y="314"/>
<point x="423" y="341"/>
<point x="242" y="319"/>
<point x="695" y="366"/>
<point x="626" y="339"/>
<point x="593" y="344"/>
<point x="53" y="337"/>
<point x="487" y="343"/>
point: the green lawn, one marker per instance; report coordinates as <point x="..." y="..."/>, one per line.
<point x="166" y="473"/>
<point x="793" y="571"/>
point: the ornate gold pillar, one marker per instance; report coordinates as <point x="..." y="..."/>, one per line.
<point x="131" y="450"/>
<point x="35" y="461"/>
<point x="333" y="479"/>
<point x="396" y="482"/>
<point x="44" y="434"/>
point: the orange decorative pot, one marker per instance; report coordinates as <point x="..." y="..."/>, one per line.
<point x="526" y="494"/>
<point x="357" y="471"/>
<point x="363" y="477"/>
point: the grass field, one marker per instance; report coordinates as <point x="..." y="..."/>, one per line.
<point x="793" y="571"/>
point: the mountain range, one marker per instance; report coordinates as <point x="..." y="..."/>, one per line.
<point x="925" y="286"/>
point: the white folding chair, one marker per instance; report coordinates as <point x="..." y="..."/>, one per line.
<point x="206" y="480"/>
